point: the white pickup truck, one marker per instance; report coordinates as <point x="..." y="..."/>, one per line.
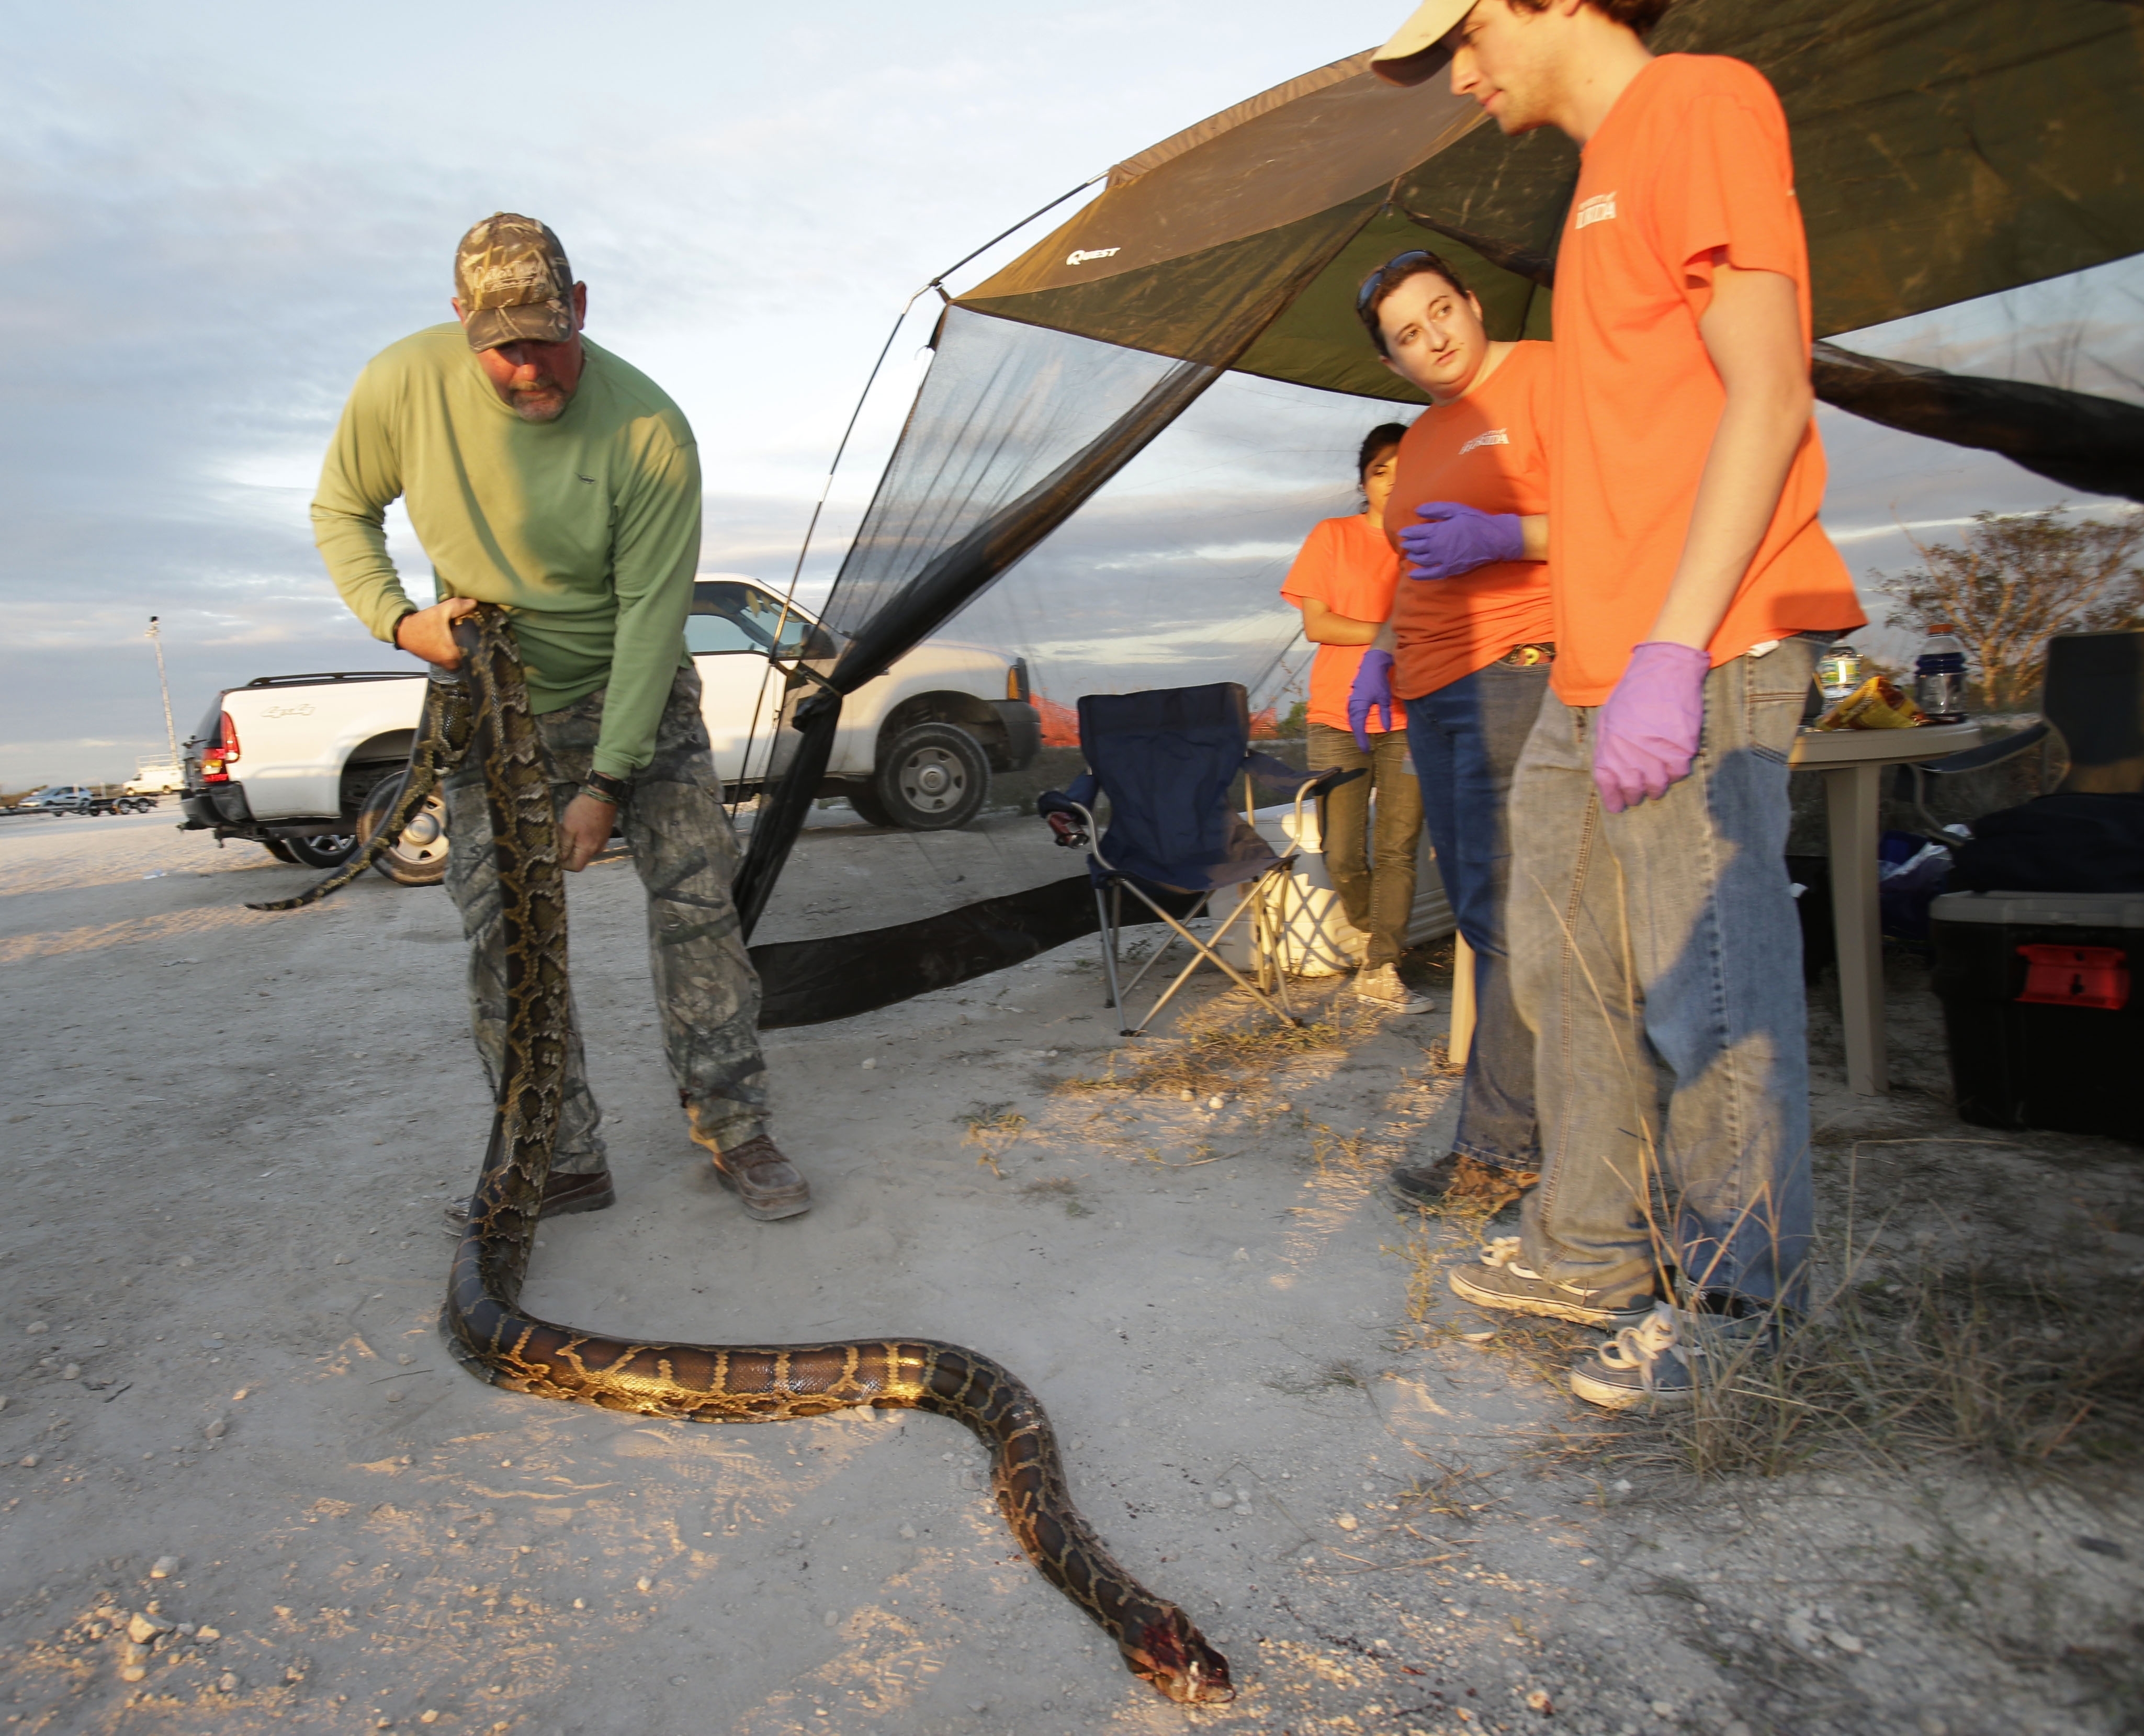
<point x="303" y="764"/>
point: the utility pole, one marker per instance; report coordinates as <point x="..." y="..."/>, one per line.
<point x="156" y="638"/>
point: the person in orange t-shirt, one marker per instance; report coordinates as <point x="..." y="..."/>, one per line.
<point x="1651" y="922"/>
<point x="1342" y="581"/>
<point x="1470" y="649"/>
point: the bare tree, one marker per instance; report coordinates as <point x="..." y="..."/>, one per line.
<point x="2015" y="582"/>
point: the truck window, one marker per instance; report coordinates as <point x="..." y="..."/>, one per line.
<point x="715" y="633"/>
<point x="729" y="617"/>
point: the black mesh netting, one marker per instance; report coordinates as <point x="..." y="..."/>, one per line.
<point x="1121" y="520"/>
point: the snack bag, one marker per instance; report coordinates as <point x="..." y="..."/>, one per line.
<point x="1876" y="704"/>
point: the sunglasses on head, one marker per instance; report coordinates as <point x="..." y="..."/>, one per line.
<point x="1376" y="280"/>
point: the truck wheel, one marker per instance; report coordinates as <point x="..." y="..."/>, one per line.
<point x="278" y="849"/>
<point x="931" y="778"/>
<point x="331" y="849"/>
<point x="418" y="857"/>
<point x="869" y="808"/>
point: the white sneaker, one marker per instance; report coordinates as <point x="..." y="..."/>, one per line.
<point x="1380" y="985"/>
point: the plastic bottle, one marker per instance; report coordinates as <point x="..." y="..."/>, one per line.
<point x="1940" y="675"/>
<point x="1839" y="672"/>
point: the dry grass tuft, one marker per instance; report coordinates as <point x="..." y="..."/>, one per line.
<point x="1210" y="1061"/>
<point x="1995" y="1368"/>
<point x="1440" y="1063"/>
<point x="1455" y="1491"/>
<point x="1351" y="1154"/>
<point x="994" y="1127"/>
<point x="1327" y="1377"/>
<point x="1063" y="1189"/>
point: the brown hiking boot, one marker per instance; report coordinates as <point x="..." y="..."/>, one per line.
<point x="765" y="1181"/>
<point x="562" y="1194"/>
<point x="1458" y="1178"/>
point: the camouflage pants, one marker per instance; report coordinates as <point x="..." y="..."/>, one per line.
<point x="706" y="988"/>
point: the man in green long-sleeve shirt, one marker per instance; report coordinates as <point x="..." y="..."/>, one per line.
<point x="543" y="473"/>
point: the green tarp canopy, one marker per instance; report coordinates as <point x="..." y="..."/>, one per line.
<point x="1945" y="150"/>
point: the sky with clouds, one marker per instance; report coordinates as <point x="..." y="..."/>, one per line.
<point x="210" y="216"/>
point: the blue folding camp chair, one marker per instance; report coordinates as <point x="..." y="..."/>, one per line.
<point x="1167" y="760"/>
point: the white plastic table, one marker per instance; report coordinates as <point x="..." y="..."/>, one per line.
<point x="1852" y="761"/>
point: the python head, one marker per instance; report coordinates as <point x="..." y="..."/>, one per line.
<point x="1170" y="1653"/>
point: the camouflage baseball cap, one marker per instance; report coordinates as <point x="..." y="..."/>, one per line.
<point x="512" y="281"/>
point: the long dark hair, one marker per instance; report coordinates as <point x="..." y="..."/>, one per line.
<point x="1378" y="441"/>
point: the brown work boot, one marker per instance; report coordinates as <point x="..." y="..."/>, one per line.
<point x="1458" y="1178"/>
<point x="765" y="1181"/>
<point x="562" y="1194"/>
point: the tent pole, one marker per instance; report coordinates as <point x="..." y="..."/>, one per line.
<point x="871" y="379"/>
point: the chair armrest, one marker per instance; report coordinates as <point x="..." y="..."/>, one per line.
<point x="1072" y="827"/>
<point x="1079" y="795"/>
<point x="1329" y="780"/>
<point x="1263" y="768"/>
<point x="1989" y="753"/>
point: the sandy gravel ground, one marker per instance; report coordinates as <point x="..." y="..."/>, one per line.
<point x="244" y="1488"/>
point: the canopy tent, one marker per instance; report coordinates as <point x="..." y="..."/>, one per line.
<point x="1945" y="150"/>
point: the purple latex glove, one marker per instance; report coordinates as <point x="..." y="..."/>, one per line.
<point x="1372" y="687"/>
<point x="1647" y="734"/>
<point x="1452" y="539"/>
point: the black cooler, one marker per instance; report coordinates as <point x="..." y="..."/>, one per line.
<point x="2043" y="1004"/>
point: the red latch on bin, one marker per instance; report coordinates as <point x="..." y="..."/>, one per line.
<point x="2075" y="976"/>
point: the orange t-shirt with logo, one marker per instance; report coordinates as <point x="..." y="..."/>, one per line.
<point x="1351" y="568"/>
<point x="1488" y="450"/>
<point x="1691" y="165"/>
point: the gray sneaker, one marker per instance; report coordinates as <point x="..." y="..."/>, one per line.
<point x="1380" y="985"/>
<point x="1662" y="1360"/>
<point x="1500" y="1282"/>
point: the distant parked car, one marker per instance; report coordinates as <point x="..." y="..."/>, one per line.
<point x="82" y="799"/>
<point x="60" y="799"/>
<point x="155" y="777"/>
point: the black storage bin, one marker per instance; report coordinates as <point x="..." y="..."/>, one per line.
<point x="2043" y="1004"/>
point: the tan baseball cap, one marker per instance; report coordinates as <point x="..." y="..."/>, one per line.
<point x="1412" y="56"/>
<point x="512" y="281"/>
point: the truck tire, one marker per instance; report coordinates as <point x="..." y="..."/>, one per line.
<point x="278" y="849"/>
<point x="418" y="857"/>
<point x="931" y="778"/>
<point x="869" y="808"/>
<point x="330" y="850"/>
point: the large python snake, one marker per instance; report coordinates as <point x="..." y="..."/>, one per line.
<point x="487" y="713"/>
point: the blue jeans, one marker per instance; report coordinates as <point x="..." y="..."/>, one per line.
<point x="1465" y="739"/>
<point x="1657" y="950"/>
